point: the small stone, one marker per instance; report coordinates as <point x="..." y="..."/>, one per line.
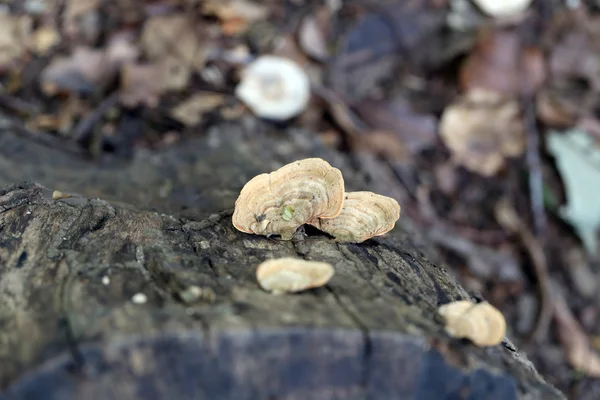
<point x="105" y="280"/>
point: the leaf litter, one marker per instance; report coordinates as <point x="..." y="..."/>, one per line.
<point x="441" y="92"/>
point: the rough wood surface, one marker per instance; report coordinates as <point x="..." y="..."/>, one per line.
<point x="160" y="224"/>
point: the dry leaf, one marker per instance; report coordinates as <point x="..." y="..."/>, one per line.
<point x="499" y="64"/>
<point x="85" y="70"/>
<point x="412" y="131"/>
<point x="481" y="129"/>
<point x="141" y="84"/>
<point x="235" y="15"/>
<point x="44" y="38"/>
<point x="121" y="49"/>
<point x="14" y="33"/>
<point x="576" y="56"/>
<point x="81" y="21"/>
<point x="554" y="110"/>
<point x="312" y="38"/>
<point x="177" y="38"/>
<point x="191" y="110"/>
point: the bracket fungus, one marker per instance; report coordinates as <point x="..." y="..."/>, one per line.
<point x="364" y="215"/>
<point x="274" y="88"/>
<point x="297" y="193"/>
<point x="288" y="275"/>
<point x="481" y="323"/>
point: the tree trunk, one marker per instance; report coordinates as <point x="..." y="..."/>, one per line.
<point x="139" y="287"/>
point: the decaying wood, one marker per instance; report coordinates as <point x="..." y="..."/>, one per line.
<point x="160" y="225"/>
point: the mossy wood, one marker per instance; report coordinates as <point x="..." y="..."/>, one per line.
<point x="160" y="224"/>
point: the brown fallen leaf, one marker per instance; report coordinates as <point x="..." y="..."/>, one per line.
<point x="44" y="38"/>
<point x="575" y="341"/>
<point x="235" y="15"/>
<point x="191" y="110"/>
<point x="576" y="56"/>
<point x="121" y="49"/>
<point x="176" y="41"/>
<point x="14" y="34"/>
<point x="85" y="70"/>
<point x="383" y="143"/>
<point x="396" y="120"/>
<point x="141" y="84"/>
<point x="312" y="34"/>
<point x="81" y="21"/>
<point x="482" y="129"/>
<point x="555" y="110"/>
<point x="501" y="64"/>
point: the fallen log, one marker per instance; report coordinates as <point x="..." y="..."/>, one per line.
<point x="138" y="287"/>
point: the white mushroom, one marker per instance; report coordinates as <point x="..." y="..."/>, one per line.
<point x="274" y="88"/>
<point x="502" y="8"/>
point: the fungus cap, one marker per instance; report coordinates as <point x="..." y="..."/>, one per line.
<point x="502" y="8"/>
<point x="363" y="216"/>
<point x="288" y="275"/>
<point x="279" y="202"/>
<point x="481" y="323"/>
<point x="274" y="88"/>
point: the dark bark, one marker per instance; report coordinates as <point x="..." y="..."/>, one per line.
<point x="160" y="224"/>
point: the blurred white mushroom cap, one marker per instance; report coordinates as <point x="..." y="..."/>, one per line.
<point x="502" y="8"/>
<point x="274" y="88"/>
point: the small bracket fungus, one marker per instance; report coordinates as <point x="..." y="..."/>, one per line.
<point x="481" y="323"/>
<point x="288" y="275"/>
<point x="297" y="193"/>
<point x="274" y="88"/>
<point x="364" y="215"/>
<point x="57" y="195"/>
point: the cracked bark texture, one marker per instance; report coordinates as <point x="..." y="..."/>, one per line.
<point x="160" y="224"/>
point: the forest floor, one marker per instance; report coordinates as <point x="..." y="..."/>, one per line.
<point x="488" y="125"/>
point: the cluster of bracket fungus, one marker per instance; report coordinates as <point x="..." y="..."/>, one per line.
<point x="364" y="215"/>
<point x="311" y="191"/>
<point x="297" y="193"/>
<point x="481" y="323"/>
<point x="288" y="275"/>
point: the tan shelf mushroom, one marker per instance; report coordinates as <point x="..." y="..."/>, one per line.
<point x="364" y="215"/>
<point x="481" y="323"/>
<point x="288" y="275"/>
<point x="280" y="202"/>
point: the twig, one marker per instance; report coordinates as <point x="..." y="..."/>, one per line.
<point x="535" y="167"/>
<point x="84" y="127"/>
<point x="17" y="105"/>
<point x="508" y="218"/>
